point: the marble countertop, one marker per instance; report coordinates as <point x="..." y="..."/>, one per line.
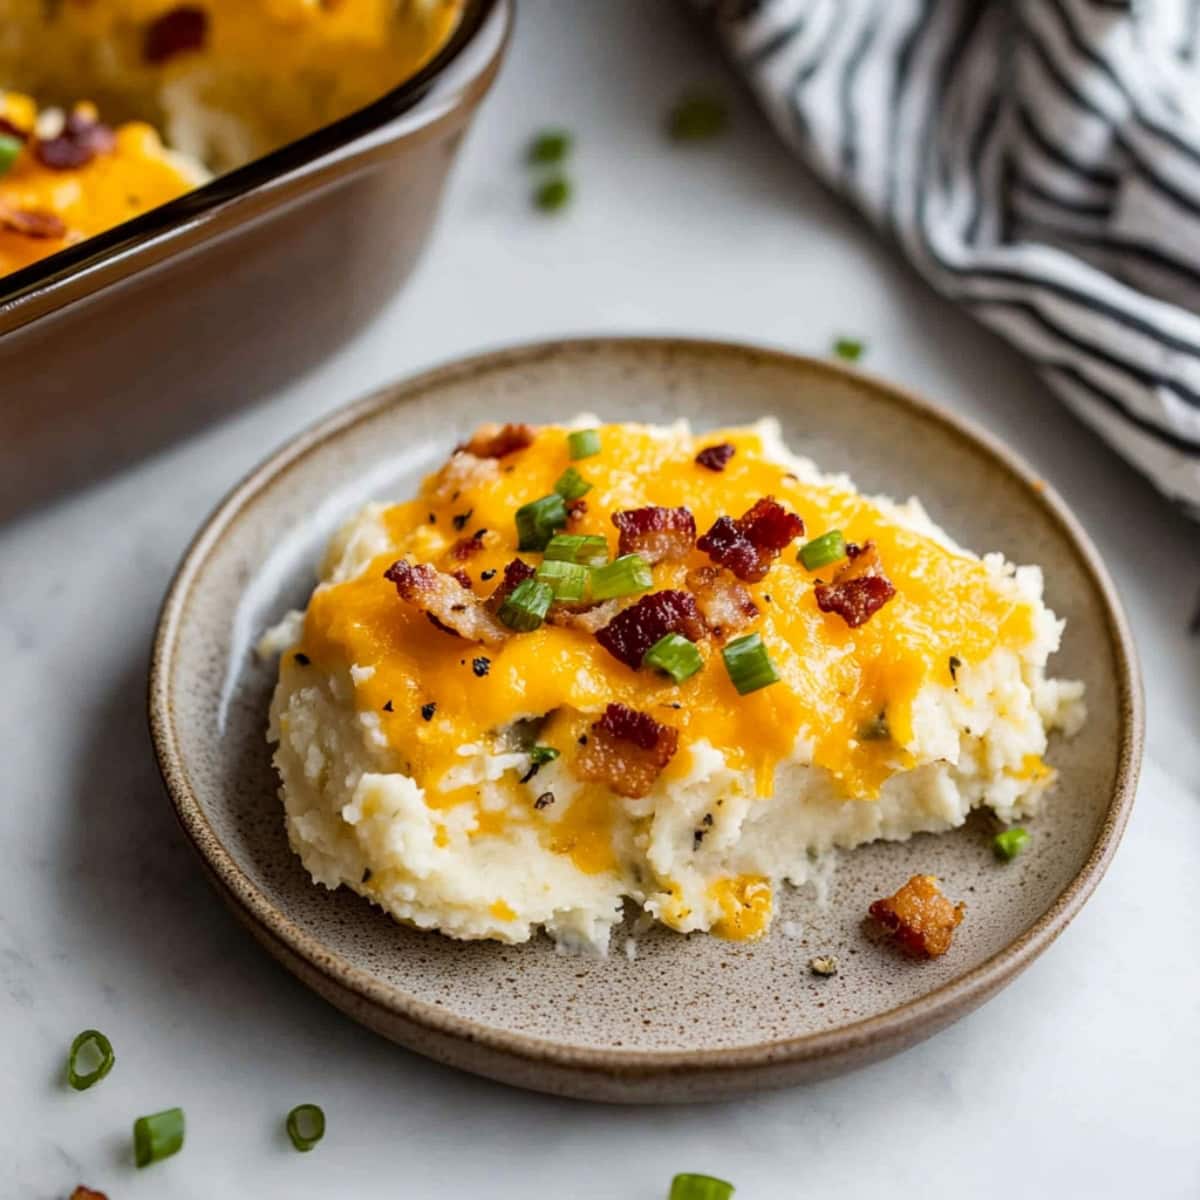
<point x="1081" y="1078"/>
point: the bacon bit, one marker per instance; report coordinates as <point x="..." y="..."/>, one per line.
<point x="724" y="604"/>
<point x="465" y="547"/>
<point x="635" y="629"/>
<point x="715" y="458"/>
<point x="859" y="589"/>
<point x="87" y="1193"/>
<point x="462" y="472"/>
<point x="83" y="136"/>
<point x="177" y="31"/>
<point x="627" y="751"/>
<point x="589" y="619"/>
<point x="516" y="572"/>
<point x="11" y="129"/>
<point x="749" y="545"/>
<point x="32" y="222"/>
<point x="445" y="601"/>
<point x="463" y="578"/>
<point x="576" y="511"/>
<point x="494" y="441"/>
<point x="657" y="534"/>
<point x="919" y="917"/>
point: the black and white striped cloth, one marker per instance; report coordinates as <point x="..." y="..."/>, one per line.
<point x="1038" y="161"/>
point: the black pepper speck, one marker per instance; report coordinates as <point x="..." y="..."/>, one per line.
<point x="481" y="666"/>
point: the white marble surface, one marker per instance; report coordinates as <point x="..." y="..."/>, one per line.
<point x="1082" y="1078"/>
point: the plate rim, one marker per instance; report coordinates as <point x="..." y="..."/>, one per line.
<point x="896" y="1026"/>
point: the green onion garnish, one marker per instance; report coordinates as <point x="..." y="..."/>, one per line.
<point x="626" y="576"/>
<point x="553" y="194"/>
<point x="157" y="1137"/>
<point x="305" y="1126"/>
<point x="10" y="149"/>
<point x="589" y="548"/>
<point x="583" y="443"/>
<point x="526" y="606"/>
<point x="567" y="580"/>
<point x="90" y="1047"/>
<point x="823" y="550"/>
<point x="850" y="349"/>
<point x="700" y="1187"/>
<point x="571" y="485"/>
<point x="748" y="664"/>
<point x="540" y="755"/>
<point x="696" y="116"/>
<point x="1010" y="843"/>
<point x="675" y="655"/>
<point x="537" y="521"/>
<point x="550" y="146"/>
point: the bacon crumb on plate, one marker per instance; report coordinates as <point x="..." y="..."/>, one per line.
<point x="448" y="604"/>
<point x="749" y="545"/>
<point x="715" y="458"/>
<point x="87" y="1193"/>
<point x="657" y="534"/>
<point x="627" y="751"/>
<point x="497" y="441"/>
<point x="919" y="917"/>
<point x="32" y="222"/>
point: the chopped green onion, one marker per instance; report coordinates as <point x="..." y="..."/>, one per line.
<point x="589" y="548"/>
<point x="537" y="521"/>
<point x="626" y="576"/>
<point x="305" y="1126"/>
<point x="553" y="194"/>
<point x="823" y="550"/>
<point x="567" y="580"/>
<point x="675" y="655"/>
<point x="1010" y="843"/>
<point x="700" y="1187"/>
<point x="583" y="443"/>
<point x="748" y="664"/>
<point x="550" y="146"/>
<point x="850" y="349"/>
<point x="526" y="606"/>
<point x="91" y="1045"/>
<point x="571" y="485"/>
<point x="10" y="149"/>
<point x="158" y="1136"/>
<point x="540" y="755"/>
<point x="696" y="117"/>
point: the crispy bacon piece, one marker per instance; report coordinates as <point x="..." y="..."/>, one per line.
<point x="495" y="441"/>
<point x="83" y="136"/>
<point x="635" y="629"/>
<point x="724" y="604"/>
<point x="749" y="545"/>
<point x="715" y="458"/>
<point x="449" y="605"/>
<point x="919" y="917"/>
<point x="466" y="547"/>
<point x="87" y="1193"/>
<point x="657" y="534"/>
<point x="32" y="222"/>
<point x="516" y="572"/>
<point x="859" y="589"/>
<point x="588" y="618"/>
<point x="626" y="751"/>
<point x="177" y="31"/>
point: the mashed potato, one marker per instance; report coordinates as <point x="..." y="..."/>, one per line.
<point x="476" y="783"/>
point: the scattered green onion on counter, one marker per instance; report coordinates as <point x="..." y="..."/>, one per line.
<point x="625" y="576"/>
<point x="696" y="117"/>
<point x="538" y="521"/>
<point x="1010" y="843"/>
<point x="91" y="1058"/>
<point x="583" y="443"/>
<point x="700" y="1187"/>
<point x="571" y="485"/>
<point x="305" y="1126"/>
<point x="553" y="195"/>
<point x="549" y="147"/>
<point x="157" y="1136"/>
<point x="567" y="580"/>
<point x="526" y="606"/>
<point x="850" y="349"/>
<point x="588" y="548"/>
<point x="823" y="550"/>
<point x="749" y="665"/>
<point x="674" y="655"/>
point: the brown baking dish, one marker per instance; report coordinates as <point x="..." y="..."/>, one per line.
<point x="113" y="346"/>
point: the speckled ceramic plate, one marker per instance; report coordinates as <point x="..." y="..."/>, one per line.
<point x="688" y="1017"/>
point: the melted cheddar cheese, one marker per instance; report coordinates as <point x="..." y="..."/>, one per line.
<point x="834" y="680"/>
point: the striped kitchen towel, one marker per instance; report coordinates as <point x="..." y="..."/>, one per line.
<point x="1038" y="161"/>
